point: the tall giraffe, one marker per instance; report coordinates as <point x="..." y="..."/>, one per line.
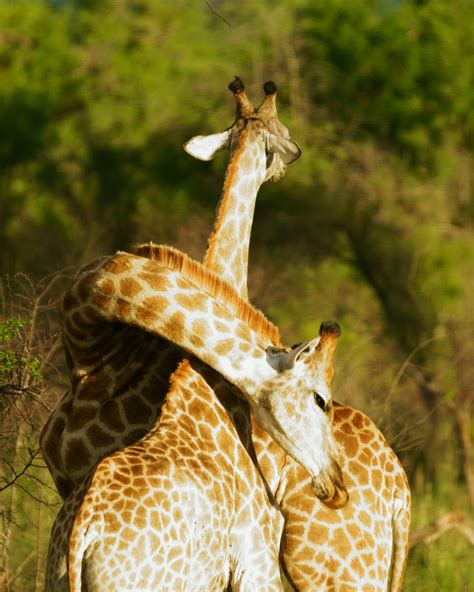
<point x="365" y="544"/>
<point x="97" y="417"/>
<point x="175" y="512"/>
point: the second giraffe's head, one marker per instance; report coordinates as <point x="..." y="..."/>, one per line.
<point x="300" y="399"/>
<point x="258" y="129"/>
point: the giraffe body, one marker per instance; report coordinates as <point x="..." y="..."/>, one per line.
<point x="360" y="547"/>
<point x="363" y="546"/>
<point x="156" y="517"/>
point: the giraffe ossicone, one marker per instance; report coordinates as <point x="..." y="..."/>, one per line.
<point x="279" y="148"/>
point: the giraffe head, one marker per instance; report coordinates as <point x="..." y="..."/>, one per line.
<point x="263" y="129"/>
<point x="300" y="395"/>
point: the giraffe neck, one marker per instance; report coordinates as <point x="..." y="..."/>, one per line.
<point x="227" y="253"/>
<point x="176" y="305"/>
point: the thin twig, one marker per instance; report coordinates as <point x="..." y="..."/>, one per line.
<point x="213" y="10"/>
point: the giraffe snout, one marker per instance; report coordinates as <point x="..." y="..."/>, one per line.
<point x="330" y="489"/>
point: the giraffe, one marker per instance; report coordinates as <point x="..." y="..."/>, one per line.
<point x="368" y="546"/>
<point x="172" y="509"/>
<point x="369" y="536"/>
<point x="120" y="407"/>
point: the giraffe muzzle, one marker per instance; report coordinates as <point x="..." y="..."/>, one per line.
<point x="329" y="488"/>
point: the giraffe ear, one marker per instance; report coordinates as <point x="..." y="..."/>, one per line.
<point x="206" y="147"/>
<point x="282" y="359"/>
<point x="288" y="150"/>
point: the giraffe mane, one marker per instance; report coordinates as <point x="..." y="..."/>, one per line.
<point x="210" y="282"/>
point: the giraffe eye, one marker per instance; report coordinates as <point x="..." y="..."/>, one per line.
<point x="320" y="402"/>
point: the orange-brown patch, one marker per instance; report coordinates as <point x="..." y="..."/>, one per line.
<point x="224" y="440"/>
<point x="201" y="327"/>
<point x="119" y="263"/>
<point x="353" y="529"/>
<point x="145" y="315"/>
<point x="129" y="287"/>
<point x="377" y="478"/>
<point x="101" y="301"/>
<point x="357" y="566"/>
<point x="174" y="328"/>
<point x="349" y="444"/>
<point x="341" y="413"/>
<point x="242" y="331"/>
<point x="123" y="309"/>
<point x="221" y="312"/>
<point x="128" y="534"/>
<point x="157" y="304"/>
<point x="224" y="347"/>
<point x="364" y="517"/>
<point x="193" y="301"/>
<point x="359" y="470"/>
<point x="196" y="341"/>
<point x="107" y="287"/>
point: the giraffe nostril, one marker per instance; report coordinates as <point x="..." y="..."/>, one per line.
<point x="330" y="488"/>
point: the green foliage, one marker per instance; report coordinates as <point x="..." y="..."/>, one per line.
<point x="386" y="70"/>
<point x="13" y="361"/>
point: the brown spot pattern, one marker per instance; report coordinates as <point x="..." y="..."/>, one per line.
<point x="129" y="287"/>
<point x="77" y="455"/>
<point x="119" y="264"/>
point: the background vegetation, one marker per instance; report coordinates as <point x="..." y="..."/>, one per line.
<point x="372" y="226"/>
